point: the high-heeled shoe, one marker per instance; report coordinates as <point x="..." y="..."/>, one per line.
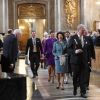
<point x="58" y="86"/>
<point x="52" y="79"/>
<point x="62" y="87"/>
<point x="49" y="79"/>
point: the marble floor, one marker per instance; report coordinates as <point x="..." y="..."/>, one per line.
<point x="40" y="89"/>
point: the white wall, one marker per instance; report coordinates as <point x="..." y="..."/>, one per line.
<point x="91" y="13"/>
<point x="1" y="16"/>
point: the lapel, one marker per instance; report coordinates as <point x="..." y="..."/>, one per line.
<point x="77" y="41"/>
<point x="85" y="41"/>
<point x="31" y="41"/>
<point x="37" y="42"/>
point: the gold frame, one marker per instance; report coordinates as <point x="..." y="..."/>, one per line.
<point x="31" y="10"/>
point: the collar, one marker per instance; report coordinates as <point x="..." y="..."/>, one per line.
<point x="33" y="38"/>
<point x="80" y="36"/>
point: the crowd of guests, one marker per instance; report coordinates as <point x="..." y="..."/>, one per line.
<point x="95" y="37"/>
<point x="63" y="53"/>
<point x="78" y="50"/>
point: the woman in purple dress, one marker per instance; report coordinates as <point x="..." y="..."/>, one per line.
<point x="49" y="56"/>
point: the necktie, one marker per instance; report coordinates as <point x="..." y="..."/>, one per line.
<point x="82" y="41"/>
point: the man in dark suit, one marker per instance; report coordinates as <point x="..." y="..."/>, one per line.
<point x="10" y="51"/>
<point x="35" y="52"/>
<point x="79" y="50"/>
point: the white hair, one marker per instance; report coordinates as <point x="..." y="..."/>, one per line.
<point x="17" y="31"/>
<point x="45" y="33"/>
<point x="80" y="26"/>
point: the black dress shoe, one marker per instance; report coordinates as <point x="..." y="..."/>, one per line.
<point x="57" y="87"/>
<point x="83" y="95"/>
<point x="36" y="74"/>
<point x="87" y="88"/>
<point x="66" y="82"/>
<point x="75" y="92"/>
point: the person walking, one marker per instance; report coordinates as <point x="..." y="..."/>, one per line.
<point x="60" y="68"/>
<point x="78" y="48"/>
<point x="10" y="51"/>
<point x="49" y="56"/>
<point x="35" y="52"/>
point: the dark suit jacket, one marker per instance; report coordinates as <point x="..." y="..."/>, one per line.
<point x="29" y="47"/>
<point x="1" y="44"/>
<point x="97" y="41"/>
<point x="10" y="48"/>
<point x="88" y="50"/>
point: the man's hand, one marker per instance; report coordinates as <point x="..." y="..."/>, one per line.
<point x="78" y="51"/>
<point x="94" y="60"/>
<point x="11" y="66"/>
<point x="42" y="56"/>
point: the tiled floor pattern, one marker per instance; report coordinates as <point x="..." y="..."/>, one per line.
<point x="40" y="89"/>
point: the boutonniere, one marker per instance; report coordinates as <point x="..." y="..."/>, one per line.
<point x="86" y="42"/>
<point x="75" y="41"/>
<point x="38" y="41"/>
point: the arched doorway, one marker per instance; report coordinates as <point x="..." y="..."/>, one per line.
<point x="31" y="16"/>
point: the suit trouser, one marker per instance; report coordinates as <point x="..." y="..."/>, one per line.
<point x="87" y="75"/>
<point x="78" y="77"/>
<point x="34" y="62"/>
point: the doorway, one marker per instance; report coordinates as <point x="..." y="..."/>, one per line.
<point x="31" y="16"/>
<point x="27" y="25"/>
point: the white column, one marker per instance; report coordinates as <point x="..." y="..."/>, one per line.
<point x="5" y="15"/>
<point x="57" y="15"/>
<point x="1" y="15"/>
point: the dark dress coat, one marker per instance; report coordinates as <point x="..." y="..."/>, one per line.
<point x="29" y="47"/>
<point x="34" y="56"/>
<point x="10" y="53"/>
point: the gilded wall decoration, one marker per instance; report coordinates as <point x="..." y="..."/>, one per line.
<point x="31" y="10"/>
<point x="72" y="13"/>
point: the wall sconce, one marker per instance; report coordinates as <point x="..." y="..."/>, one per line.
<point x="21" y="27"/>
<point x="98" y="2"/>
<point x="44" y="20"/>
<point x="29" y="20"/>
<point x="26" y="20"/>
<point x="33" y="20"/>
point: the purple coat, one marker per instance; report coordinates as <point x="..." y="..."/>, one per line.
<point x="48" y="51"/>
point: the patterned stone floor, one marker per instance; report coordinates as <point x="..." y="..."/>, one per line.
<point x="40" y="89"/>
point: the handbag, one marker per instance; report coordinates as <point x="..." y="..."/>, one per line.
<point x="27" y="60"/>
<point x="62" y="60"/>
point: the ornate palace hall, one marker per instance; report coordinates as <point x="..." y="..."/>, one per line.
<point x="50" y="32"/>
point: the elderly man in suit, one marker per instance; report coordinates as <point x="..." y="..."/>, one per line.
<point x="10" y="51"/>
<point x="79" y="48"/>
<point x="35" y="52"/>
